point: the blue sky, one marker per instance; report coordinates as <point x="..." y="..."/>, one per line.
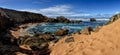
<point x="68" y="8"/>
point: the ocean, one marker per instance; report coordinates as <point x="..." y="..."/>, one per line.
<point x="72" y="27"/>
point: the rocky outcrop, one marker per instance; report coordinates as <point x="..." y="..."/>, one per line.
<point x="51" y="20"/>
<point x="113" y="19"/>
<point x="20" y="16"/>
<point x="62" y="19"/>
<point x="92" y="19"/>
<point x="61" y="32"/>
<point x="38" y="44"/>
<point x="9" y="18"/>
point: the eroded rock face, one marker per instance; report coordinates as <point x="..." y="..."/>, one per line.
<point x="10" y="18"/>
<point x="86" y="31"/>
<point x="38" y="44"/>
<point x="61" y="32"/>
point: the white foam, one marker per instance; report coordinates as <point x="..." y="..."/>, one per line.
<point x="102" y="19"/>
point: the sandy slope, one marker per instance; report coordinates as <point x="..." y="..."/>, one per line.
<point x="104" y="42"/>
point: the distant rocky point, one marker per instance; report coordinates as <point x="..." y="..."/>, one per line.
<point x="12" y="18"/>
<point x="113" y="19"/>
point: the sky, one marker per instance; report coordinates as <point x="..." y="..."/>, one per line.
<point x="67" y="8"/>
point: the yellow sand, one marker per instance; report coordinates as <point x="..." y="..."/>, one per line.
<point x="104" y="42"/>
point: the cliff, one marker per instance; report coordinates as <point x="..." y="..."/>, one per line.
<point x="9" y="18"/>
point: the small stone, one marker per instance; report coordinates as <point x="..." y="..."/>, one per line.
<point x="61" y="32"/>
<point x="70" y="39"/>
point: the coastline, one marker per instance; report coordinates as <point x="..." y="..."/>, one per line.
<point x="103" y="41"/>
<point x="106" y="41"/>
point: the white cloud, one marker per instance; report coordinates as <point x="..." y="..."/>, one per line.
<point x="117" y="12"/>
<point x="59" y="10"/>
<point x="65" y="10"/>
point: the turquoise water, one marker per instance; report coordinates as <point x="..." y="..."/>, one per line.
<point x="52" y="27"/>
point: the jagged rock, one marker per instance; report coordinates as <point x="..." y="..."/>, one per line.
<point x="62" y="19"/>
<point x="51" y="20"/>
<point x="114" y="18"/>
<point x="47" y="37"/>
<point x="70" y="39"/>
<point x="61" y="32"/>
<point x="92" y="19"/>
<point x="86" y="31"/>
<point x="37" y="44"/>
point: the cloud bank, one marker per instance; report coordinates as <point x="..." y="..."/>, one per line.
<point x="64" y="10"/>
<point x="58" y="10"/>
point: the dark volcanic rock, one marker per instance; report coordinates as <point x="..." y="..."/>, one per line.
<point x="86" y="31"/>
<point x="61" y="32"/>
<point x="92" y="19"/>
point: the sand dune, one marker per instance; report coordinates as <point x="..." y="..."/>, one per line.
<point x="104" y="42"/>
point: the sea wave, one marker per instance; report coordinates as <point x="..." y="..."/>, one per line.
<point x="102" y="19"/>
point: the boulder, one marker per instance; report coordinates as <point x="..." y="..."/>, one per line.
<point x="70" y="39"/>
<point x="61" y="32"/>
<point x="86" y="31"/>
<point x="92" y="19"/>
<point x="62" y="19"/>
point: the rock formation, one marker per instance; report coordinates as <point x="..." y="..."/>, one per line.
<point x="92" y="19"/>
<point x="114" y="18"/>
<point x="61" y="32"/>
<point x="9" y="18"/>
<point x="62" y="19"/>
